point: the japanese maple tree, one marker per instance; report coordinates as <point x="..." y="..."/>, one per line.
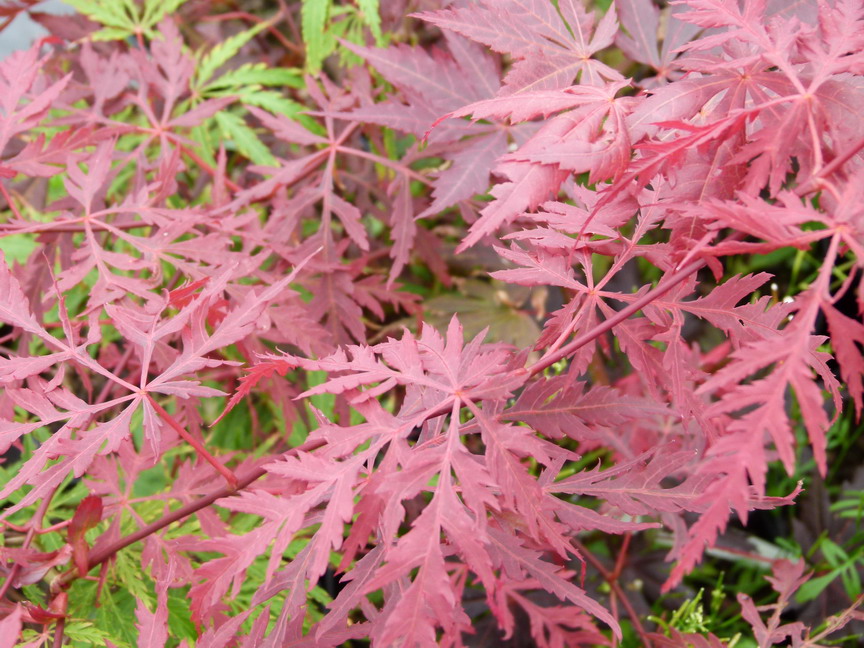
<point x="244" y="402"/>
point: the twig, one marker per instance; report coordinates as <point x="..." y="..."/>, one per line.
<point x="11" y="203"/>
<point x="229" y="476"/>
<point x="209" y="169"/>
<point x="600" y="329"/>
<point x="99" y="557"/>
<point x="612" y="579"/>
<point x="61" y="603"/>
<point x="34" y="524"/>
<point x="813" y="183"/>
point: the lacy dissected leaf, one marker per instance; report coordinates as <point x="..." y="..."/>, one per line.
<point x="640" y="40"/>
<point x="770" y="98"/>
<point x="21" y="109"/>
<point x="592" y="137"/>
<point x="157" y="189"/>
<point x="236" y="324"/>
<point x="847" y="335"/>
<point x="522" y="559"/>
<point x="440" y="374"/>
<point x="294" y="170"/>
<point x="429" y="601"/>
<point x="559" y="408"/>
<point x="527" y="186"/>
<point x="433" y="84"/>
<point x="75" y="441"/>
<point x="552" y="45"/>
<point x="311" y="184"/>
<point x="440" y="364"/>
<point x="728" y="486"/>
<point x="747" y="322"/>
<point x="530" y="105"/>
<point x="792" y="359"/>
<point x="14" y="306"/>
<point x="635" y="487"/>
<point x="787" y="578"/>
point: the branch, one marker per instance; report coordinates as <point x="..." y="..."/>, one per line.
<point x="813" y="183"/>
<point x="98" y="557"/>
<point x="612" y="579"/>
<point x="33" y="528"/>
<point x="229" y="476"/>
<point x="600" y="329"/>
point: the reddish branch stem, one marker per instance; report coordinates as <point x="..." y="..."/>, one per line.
<point x="233" y="186"/>
<point x="243" y="15"/>
<point x="9" y="200"/>
<point x="61" y="603"/>
<point x="612" y="322"/>
<point x="612" y="579"/>
<point x="55" y="227"/>
<point x="34" y="525"/>
<point x="229" y="476"/>
<point x="99" y="557"/>
<point x="813" y="183"/>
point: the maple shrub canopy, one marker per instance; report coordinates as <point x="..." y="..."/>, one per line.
<point x="412" y="323"/>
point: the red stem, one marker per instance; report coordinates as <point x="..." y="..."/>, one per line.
<point x="242" y="15"/>
<point x="54" y="227"/>
<point x="35" y="523"/>
<point x="622" y="555"/>
<point x="229" y="476"/>
<point x="59" y="631"/>
<point x="60" y="603"/>
<point x="612" y="579"/>
<point x="600" y="329"/>
<point x="813" y="183"/>
<point x="99" y="557"/>
<point x="209" y="169"/>
<point x="10" y="201"/>
<point x="377" y="159"/>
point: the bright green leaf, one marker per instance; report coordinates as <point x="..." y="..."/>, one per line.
<point x="833" y="553"/>
<point x="17" y="247"/>
<point x="372" y="18"/>
<point x="319" y="44"/>
<point x="223" y="52"/>
<point x="257" y="74"/>
<point x="272" y="101"/>
<point x="156" y="10"/>
<point x="244" y="138"/>
<point x="180" y="616"/>
<point x="87" y="634"/>
<point x="279" y="105"/>
<point x="812" y="588"/>
<point x="325" y="403"/>
<point x="106" y="12"/>
<point x="851" y="582"/>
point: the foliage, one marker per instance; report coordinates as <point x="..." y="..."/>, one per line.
<point x="423" y="332"/>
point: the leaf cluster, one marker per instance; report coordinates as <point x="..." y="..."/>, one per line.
<point x="432" y="323"/>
